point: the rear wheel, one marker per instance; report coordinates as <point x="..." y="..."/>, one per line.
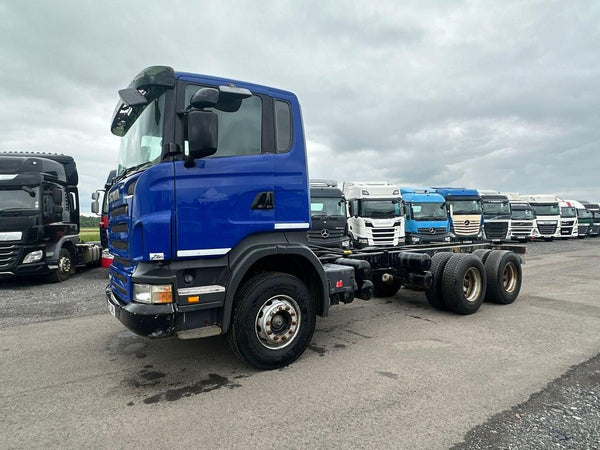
<point x="273" y="320"/>
<point x="434" y="293"/>
<point x="483" y="254"/>
<point x="464" y="283"/>
<point x="66" y="266"/>
<point x="504" y="274"/>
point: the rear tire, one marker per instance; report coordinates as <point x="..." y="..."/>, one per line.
<point x="504" y="275"/>
<point x="434" y="293"/>
<point x="273" y="320"/>
<point x="483" y="254"/>
<point x="464" y="283"/>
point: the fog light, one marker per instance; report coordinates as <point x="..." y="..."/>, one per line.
<point x="415" y="239"/>
<point x="152" y="293"/>
<point x="33" y="257"/>
<point x="447" y="239"/>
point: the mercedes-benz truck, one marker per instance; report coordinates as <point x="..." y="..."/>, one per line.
<point x="522" y="218"/>
<point x="547" y="214"/>
<point x="328" y="215"/>
<point x="496" y="216"/>
<point x="464" y="213"/>
<point x="375" y="214"/>
<point x="426" y="216"/>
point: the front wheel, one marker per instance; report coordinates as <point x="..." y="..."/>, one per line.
<point x="66" y="267"/>
<point x="273" y="320"/>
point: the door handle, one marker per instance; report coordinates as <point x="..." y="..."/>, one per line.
<point x="263" y="200"/>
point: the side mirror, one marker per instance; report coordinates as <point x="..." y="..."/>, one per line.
<point x="205" y="98"/>
<point x="95" y="206"/>
<point x="203" y="132"/>
<point x="95" y="195"/>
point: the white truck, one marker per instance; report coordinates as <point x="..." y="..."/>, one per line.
<point x="375" y="214"/>
<point x="568" y="219"/>
<point x="547" y="214"/>
<point x="522" y="219"/>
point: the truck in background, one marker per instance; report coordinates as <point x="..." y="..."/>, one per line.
<point x="208" y="219"/>
<point x="39" y="217"/>
<point x="464" y="213"/>
<point x="547" y="214"/>
<point x="568" y="219"/>
<point x="426" y="216"/>
<point x="328" y="215"/>
<point x="594" y="208"/>
<point x="522" y="219"/>
<point x="585" y="219"/>
<point x="375" y="214"/>
<point x="496" y="216"/>
<point x="95" y="208"/>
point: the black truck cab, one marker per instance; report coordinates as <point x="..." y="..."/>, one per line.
<point x="328" y="215"/>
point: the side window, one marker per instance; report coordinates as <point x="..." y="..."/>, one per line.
<point x="283" y="126"/>
<point x="240" y="128"/>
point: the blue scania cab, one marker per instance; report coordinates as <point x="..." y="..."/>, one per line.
<point x="208" y="220"/>
<point x="464" y="213"/>
<point x="426" y="216"/>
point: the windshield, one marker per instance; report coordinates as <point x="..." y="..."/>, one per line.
<point x="522" y="214"/>
<point x="568" y="211"/>
<point x="380" y="209"/>
<point x="429" y="211"/>
<point x="143" y="142"/>
<point x="327" y="207"/>
<point x="465" y="206"/>
<point x="19" y="199"/>
<point x="584" y="214"/>
<point x="549" y="209"/>
<point x="496" y="208"/>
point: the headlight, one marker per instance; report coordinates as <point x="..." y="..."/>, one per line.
<point x="152" y="293"/>
<point x="415" y="239"/>
<point x="363" y="241"/>
<point x="345" y="244"/>
<point x="447" y="239"/>
<point x="33" y="257"/>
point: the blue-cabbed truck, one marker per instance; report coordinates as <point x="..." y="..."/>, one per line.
<point x="426" y="216"/>
<point x="208" y="217"/>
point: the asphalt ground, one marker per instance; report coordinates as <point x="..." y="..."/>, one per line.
<point x="388" y="373"/>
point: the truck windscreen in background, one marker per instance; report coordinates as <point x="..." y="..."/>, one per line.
<point x="380" y="209"/>
<point x="496" y="208"/>
<point x="466" y="206"/>
<point x="546" y="210"/>
<point x="327" y="207"/>
<point x="15" y="199"/>
<point x="429" y="211"/>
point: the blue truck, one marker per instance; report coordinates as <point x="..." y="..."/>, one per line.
<point x="208" y="220"/>
<point x="464" y="213"/>
<point x="426" y="216"/>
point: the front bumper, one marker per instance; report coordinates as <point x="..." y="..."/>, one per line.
<point x="153" y="321"/>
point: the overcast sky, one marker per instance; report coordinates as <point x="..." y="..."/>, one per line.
<point x="492" y="95"/>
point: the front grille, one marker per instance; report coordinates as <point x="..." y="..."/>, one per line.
<point x="121" y="245"/>
<point x="496" y="230"/>
<point x="119" y="228"/>
<point x="436" y="230"/>
<point x="333" y="234"/>
<point x="120" y="211"/>
<point x="462" y="229"/>
<point x="547" y="229"/>
<point x="9" y="255"/>
<point x="583" y="229"/>
<point x="383" y="236"/>
<point x="568" y="223"/>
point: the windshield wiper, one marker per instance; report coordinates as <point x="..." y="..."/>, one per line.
<point x="134" y="169"/>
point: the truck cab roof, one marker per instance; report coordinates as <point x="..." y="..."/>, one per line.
<point x="421" y="195"/>
<point x="61" y="168"/>
<point x="456" y="192"/>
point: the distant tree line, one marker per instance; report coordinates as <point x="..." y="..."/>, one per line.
<point x="89" y="221"/>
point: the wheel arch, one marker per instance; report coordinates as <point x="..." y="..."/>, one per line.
<point x="294" y="259"/>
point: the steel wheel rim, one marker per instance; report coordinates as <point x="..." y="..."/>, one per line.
<point x="509" y="277"/>
<point x="472" y="285"/>
<point x="64" y="264"/>
<point x="278" y="322"/>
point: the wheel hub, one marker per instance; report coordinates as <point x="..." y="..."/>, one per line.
<point x="64" y="264"/>
<point x="472" y="284"/>
<point x="277" y="322"/>
<point x="509" y="277"/>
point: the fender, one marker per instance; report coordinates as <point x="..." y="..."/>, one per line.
<point x="56" y="246"/>
<point x="246" y="254"/>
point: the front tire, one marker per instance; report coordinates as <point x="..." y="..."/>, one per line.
<point x="273" y="320"/>
<point x="66" y="266"/>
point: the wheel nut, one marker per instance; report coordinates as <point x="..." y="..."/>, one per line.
<point x="294" y="323"/>
<point x="291" y="332"/>
<point x="268" y="323"/>
<point x="275" y="338"/>
<point x="269" y="332"/>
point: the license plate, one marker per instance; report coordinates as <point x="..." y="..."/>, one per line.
<point x="467" y="242"/>
<point x="111" y="308"/>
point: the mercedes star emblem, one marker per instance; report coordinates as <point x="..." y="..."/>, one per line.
<point x="467" y="223"/>
<point x="324" y="233"/>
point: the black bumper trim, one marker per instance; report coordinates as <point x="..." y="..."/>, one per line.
<point x="153" y="321"/>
